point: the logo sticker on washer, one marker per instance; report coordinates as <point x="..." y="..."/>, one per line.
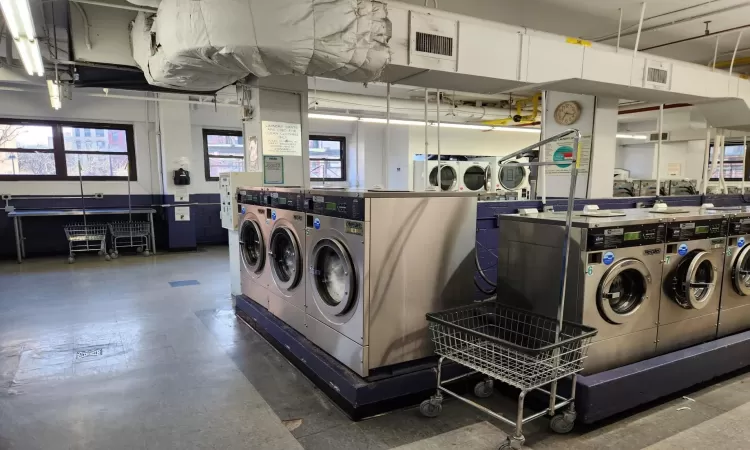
<point x="243" y="210"/>
<point x="682" y="250"/>
<point x="273" y="214"/>
<point x="609" y="258"/>
<point x="741" y="242"/>
<point x="316" y="223"/>
<point x="590" y="270"/>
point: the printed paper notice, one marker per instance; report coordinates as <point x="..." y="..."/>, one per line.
<point x="674" y="169"/>
<point x="282" y="139"/>
<point x="562" y="152"/>
<point x="251" y="154"/>
<point x="273" y="170"/>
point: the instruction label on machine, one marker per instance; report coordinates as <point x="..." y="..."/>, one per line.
<point x="562" y="151"/>
<point x="273" y="170"/>
<point x="282" y="138"/>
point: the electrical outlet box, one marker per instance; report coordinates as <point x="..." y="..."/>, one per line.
<point x="6" y="196"/>
<point x="99" y="195"/>
<point x="228" y="184"/>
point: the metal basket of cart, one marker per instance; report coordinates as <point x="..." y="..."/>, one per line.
<point x="522" y="349"/>
<point x="129" y="235"/>
<point x="86" y="237"/>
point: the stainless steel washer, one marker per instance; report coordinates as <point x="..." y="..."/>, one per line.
<point x="734" y="312"/>
<point x="613" y="281"/>
<point x="286" y="247"/>
<point x="255" y="276"/>
<point x="691" y="280"/>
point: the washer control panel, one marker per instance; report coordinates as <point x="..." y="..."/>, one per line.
<point x="625" y="236"/>
<point x="352" y="208"/>
<point x="697" y="229"/>
<point x="739" y="226"/>
<point x="294" y="201"/>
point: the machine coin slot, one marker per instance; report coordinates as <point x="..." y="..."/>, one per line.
<point x="268" y="213"/>
<point x="732" y="242"/>
<point x="595" y="258"/>
<point x="672" y="248"/>
<point x="310" y="220"/>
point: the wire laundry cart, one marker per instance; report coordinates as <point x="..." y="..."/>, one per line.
<point x="129" y="234"/>
<point x="522" y="349"/>
<point x="86" y="237"/>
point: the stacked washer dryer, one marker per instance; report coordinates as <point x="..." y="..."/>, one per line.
<point x="691" y="278"/>
<point x="255" y="276"/>
<point x="448" y="175"/>
<point x="285" y="231"/>
<point x="378" y="262"/>
<point x="613" y="279"/>
<point x="734" y="312"/>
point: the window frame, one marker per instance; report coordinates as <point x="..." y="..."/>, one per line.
<point x="206" y="156"/>
<point x="59" y="152"/>
<point x="342" y="140"/>
<point x="746" y="172"/>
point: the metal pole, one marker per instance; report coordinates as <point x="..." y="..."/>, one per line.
<point x="130" y="209"/>
<point x="439" y="166"/>
<point x="638" y="36"/>
<point x="568" y="225"/>
<point x="704" y="180"/>
<point x="715" y="156"/>
<point x="542" y="171"/>
<point x="658" y="151"/>
<point x="722" y="156"/>
<point x="744" y="159"/>
<point x="619" y="31"/>
<point x="426" y="142"/>
<point x="734" y="55"/>
<point x="387" y="134"/>
<point x="716" y="52"/>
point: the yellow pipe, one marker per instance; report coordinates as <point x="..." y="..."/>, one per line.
<point x="520" y="105"/>
<point x="737" y="62"/>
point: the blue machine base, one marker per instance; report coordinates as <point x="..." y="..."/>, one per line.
<point x="393" y="388"/>
<point x="608" y="393"/>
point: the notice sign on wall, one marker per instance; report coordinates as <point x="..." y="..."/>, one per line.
<point x="562" y="152"/>
<point x="282" y="138"/>
<point x="273" y="170"/>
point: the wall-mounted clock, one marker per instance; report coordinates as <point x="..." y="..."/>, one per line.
<point x="567" y="113"/>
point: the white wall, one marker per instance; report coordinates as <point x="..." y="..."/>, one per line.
<point x="640" y="160"/>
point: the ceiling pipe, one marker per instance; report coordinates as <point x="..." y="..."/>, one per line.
<point x="116" y="6"/>
<point x="697" y="37"/>
<point x="654" y="108"/>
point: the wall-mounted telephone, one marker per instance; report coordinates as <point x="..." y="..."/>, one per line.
<point x="181" y="177"/>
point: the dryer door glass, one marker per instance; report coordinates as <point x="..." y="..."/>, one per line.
<point x="511" y="176"/>
<point x="333" y="274"/>
<point x="448" y="177"/>
<point x="623" y="289"/>
<point x="694" y="280"/>
<point x="741" y="272"/>
<point x="474" y="178"/>
<point x="286" y="260"/>
<point x="252" y="245"/>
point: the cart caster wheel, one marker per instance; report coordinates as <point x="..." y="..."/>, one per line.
<point x="139" y="250"/>
<point x="512" y="444"/>
<point x="146" y="253"/>
<point x="562" y="423"/>
<point x="101" y="253"/>
<point x="71" y="260"/>
<point x="107" y="258"/>
<point x="484" y="389"/>
<point x="431" y="408"/>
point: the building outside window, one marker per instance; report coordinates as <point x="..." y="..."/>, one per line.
<point x="224" y="151"/>
<point x="327" y="158"/>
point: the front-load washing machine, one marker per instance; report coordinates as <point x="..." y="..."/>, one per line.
<point x="691" y="279"/>
<point x="612" y="280"/>
<point x="286" y="247"/>
<point x="475" y="176"/>
<point x="379" y="261"/>
<point x="253" y="236"/>
<point x="514" y="177"/>
<point x="734" y="311"/>
<point x="448" y="175"/>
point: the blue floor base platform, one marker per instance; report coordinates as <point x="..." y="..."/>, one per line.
<point x="609" y="393"/>
<point x="388" y="389"/>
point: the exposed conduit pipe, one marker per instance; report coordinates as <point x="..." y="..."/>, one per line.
<point x="716" y="52"/>
<point x="697" y="37"/>
<point x="658" y="151"/>
<point x="426" y="142"/>
<point x="721" y="149"/>
<point x="706" y="153"/>
<point x="638" y="36"/>
<point x="440" y="162"/>
<point x="715" y="156"/>
<point x="86" y="32"/>
<point x="744" y="159"/>
<point x="386" y="185"/>
<point x="734" y="56"/>
<point x="116" y="6"/>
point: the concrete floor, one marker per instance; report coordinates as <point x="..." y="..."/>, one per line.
<point x="110" y="356"/>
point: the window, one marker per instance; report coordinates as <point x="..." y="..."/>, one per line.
<point x="42" y="150"/>
<point x="733" y="169"/>
<point x="224" y="152"/>
<point x="327" y="158"/>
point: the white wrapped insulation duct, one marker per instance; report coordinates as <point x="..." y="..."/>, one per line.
<point x="204" y="45"/>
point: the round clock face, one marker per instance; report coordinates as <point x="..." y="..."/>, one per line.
<point x="567" y="113"/>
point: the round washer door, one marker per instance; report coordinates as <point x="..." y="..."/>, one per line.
<point x="333" y="277"/>
<point x="252" y="246"/>
<point x="448" y="177"/>
<point x="511" y="176"/>
<point x="695" y="280"/>
<point x="475" y="178"/>
<point x="741" y="272"/>
<point x="285" y="258"/>
<point x="623" y="290"/>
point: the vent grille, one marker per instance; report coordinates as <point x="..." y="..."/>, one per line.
<point x="655" y="137"/>
<point x="655" y="75"/>
<point x="432" y="43"/>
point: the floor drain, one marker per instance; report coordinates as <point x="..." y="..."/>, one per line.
<point x="88" y="353"/>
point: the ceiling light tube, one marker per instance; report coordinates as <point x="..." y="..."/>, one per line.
<point x="10" y="17"/>
<point x="23" y="51"/>
<point x="36" y="57"/>
<point x="332" y="117"/>
<point x="393" y="121"/>
<point x="631" y="136"/>
<point x="518" y="129"/>
<point x="27" y="22"/>
<point x="466" y="126"/>
<point x="54" y="94"/>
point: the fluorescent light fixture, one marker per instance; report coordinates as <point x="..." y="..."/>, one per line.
<point x="10" y="17"/>
<point x="466" y="126"/>
<point x="632" y="136"/>
<point x="54" y="94"/>
<point x="332" y="117"/>
<point x="393" y="121"/>
<point x="518" y="129"/>
<point x="23" y="50"/>
<point x="23" y="9"/>
<point x="20" y="22"/>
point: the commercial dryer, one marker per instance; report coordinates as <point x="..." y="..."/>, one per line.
<point x="475" y="176"/>
<point x="379" y="261"/>
<point x="285" y="215"/>
<point x="448" y="175"/>
<point x="734" y="310"/>
<point x="613" y="278"/>
<point x="691" y="279"/>
<point x="253" y="236"/>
